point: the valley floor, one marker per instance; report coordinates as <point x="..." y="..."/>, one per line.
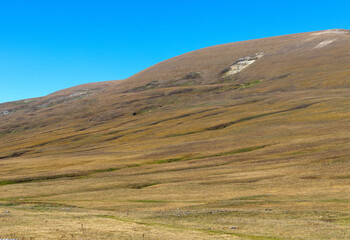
<point x="194" y="199"/>
<point x="265" y="169"/>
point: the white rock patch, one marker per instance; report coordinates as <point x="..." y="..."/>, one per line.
<point x="63" y="99"/>
<point x="76" y="94"/>
<point x="332" y="31"/>
<point x="4" y="112"/>
<point x="324" y="43"/>
<point x="242" y="63"/>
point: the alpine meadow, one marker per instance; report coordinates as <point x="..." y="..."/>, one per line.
<point x="246" y="140"/>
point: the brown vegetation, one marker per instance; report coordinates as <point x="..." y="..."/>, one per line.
<point x="175" y="152"/>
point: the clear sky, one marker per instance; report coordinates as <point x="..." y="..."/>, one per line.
<point x="48" y="45"/>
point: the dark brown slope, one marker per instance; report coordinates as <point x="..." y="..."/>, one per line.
<point x="297" y="54"/>
<point x="295" y="58"/>
<point x="103" y="115"/>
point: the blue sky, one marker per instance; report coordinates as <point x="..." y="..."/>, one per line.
<point x="46" y="45"/>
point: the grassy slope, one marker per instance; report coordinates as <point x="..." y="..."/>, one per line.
<point x="188" y="157"/>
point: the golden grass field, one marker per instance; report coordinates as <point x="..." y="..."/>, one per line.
<point x="180" y="152"/>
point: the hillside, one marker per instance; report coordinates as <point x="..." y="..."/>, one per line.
<point x="246" y="140"/>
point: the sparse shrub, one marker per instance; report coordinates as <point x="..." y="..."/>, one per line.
<point x="192" y="75"/>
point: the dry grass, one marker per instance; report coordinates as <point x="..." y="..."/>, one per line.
<point x="270" y="158"/>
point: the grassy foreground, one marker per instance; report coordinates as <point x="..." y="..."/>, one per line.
<point x="270" y="183"/>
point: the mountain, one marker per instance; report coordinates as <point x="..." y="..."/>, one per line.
<point x="251" y="133"/>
